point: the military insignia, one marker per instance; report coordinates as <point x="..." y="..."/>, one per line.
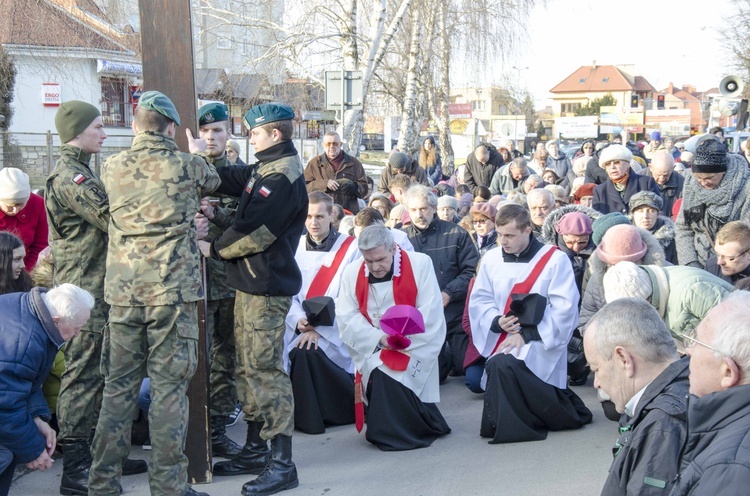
<point x="79" y="178"/>
<point x="209" y="117"/>
<point x="250" y="184"/>
<point x="260" y="119"/>
<point x="264" y="191"/>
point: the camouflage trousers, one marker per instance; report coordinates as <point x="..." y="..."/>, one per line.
<point x="82" y="383"/>
<point x="220" y="329"/>
<point x="263" y="384"/>
<point x="161" y="342"/>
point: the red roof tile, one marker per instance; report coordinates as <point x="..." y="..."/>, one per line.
<point x="601" y="78"/>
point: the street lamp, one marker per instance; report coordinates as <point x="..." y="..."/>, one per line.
<point x="515" y="138"/>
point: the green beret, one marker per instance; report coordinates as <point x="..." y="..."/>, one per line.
<point x="267" y="112"/>
<point x="73" y="117"/>
<point x="212" y="112"/>
<point x="159" y="102"/>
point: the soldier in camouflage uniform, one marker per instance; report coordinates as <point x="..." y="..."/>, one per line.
<point x="153" y="284"/>
<point x="78" y="214"/>
<point x="213" y="128"/>
<point x="260" y="247"/>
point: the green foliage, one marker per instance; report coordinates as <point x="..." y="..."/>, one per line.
<point x="7" y="82"/>
<point x="594" y="106"/>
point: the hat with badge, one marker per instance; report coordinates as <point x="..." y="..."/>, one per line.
<point x="267" y="112"/>
<point x="159" y="102"/>
<point x="212" y="112"/>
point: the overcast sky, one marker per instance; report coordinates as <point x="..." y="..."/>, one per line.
<point x="667" y="40"/>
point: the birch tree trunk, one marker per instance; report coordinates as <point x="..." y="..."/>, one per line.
<point x="407" y="139"/>
<point x="442" y="93"/>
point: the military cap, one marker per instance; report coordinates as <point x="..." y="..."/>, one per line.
<point x="159" y="102"/>
<point x="267" y="112"/>
<point x="73" y="117"/>
<point x="212" y="112"/>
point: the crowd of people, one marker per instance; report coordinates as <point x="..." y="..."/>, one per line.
<point x="333" y="301"/>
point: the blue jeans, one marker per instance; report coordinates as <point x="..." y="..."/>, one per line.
<point x="144" y="396"/>
<point x="474" y="376"/>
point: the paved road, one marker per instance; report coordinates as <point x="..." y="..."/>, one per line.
<point x="341" y="463"/>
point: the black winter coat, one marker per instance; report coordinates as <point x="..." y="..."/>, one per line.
<point x="607" y="199"/>
<point x="454" y="257"/>
<point x="716" y="456"/>
<point x="479" y="174"/>
<point x="648" y="451"/>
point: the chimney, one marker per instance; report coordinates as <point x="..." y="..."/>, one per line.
<point x="593" y="65"/>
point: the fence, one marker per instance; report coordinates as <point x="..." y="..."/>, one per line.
<point x="36" y="153"/>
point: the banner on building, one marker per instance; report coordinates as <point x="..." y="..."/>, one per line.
<point x="577" y="127"/>
<point x="51" y="94"/>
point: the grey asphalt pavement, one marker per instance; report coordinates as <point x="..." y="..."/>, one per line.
<point x="341" y="463"/>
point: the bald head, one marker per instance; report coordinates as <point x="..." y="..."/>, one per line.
<point x="662" y="166"/>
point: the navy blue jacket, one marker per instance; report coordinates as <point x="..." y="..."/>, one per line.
<point x="607" y="199"/>
<point x="29" y="342"/>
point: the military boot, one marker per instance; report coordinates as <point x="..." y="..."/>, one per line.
<point x="221" y="445"/>
<point x="279" y="475"/>
<point x="253" y="457"/>
<point x="76" y="464"/>
<point x="192" y="492"/>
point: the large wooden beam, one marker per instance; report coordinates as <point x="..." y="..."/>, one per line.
<point x="167" y="50"/>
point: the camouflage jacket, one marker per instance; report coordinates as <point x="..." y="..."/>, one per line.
<point x="262" y="241"/>
<point x="78" y="215"/>
<point x="154" y="193"/>
<point x="217" y="286"/>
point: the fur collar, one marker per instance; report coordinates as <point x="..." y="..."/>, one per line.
<point x="549" y="235"/>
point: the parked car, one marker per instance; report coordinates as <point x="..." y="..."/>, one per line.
<point x="374" y="141"/>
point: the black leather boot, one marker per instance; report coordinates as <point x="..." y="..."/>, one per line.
<point x="133" y="467"/>
<point x="221" y="445"/>
<point x="253" y="457"/>
<point x="279" y="475"/>
<point x="76" y="464"/>
<point x="192" y="492"/>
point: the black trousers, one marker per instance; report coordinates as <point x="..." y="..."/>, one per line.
<point x="397" y="419"/>
<point x="453" y="353"/>
<point x="323" y="391"/>
<point x="518" y="406"/>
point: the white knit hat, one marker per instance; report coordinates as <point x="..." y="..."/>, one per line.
<point x="615" y="152"/>
<point x="14" y="185"/>
<point x="626" y="280"/>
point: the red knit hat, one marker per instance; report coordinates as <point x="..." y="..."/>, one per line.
<point x="621" y="242"/>
<point x="586" y="189"/>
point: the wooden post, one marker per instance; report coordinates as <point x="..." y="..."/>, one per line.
<point x="167" y="52"/>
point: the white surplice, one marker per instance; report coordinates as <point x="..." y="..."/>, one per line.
<point x="362" y="338"/>
<point x="309" y="263"/>
<point x="547" y="358"/>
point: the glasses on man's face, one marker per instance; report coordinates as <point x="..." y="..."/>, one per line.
<point x="730" y="259"/>
<point x="688" y="340"/>
<point x="331" y="143"/>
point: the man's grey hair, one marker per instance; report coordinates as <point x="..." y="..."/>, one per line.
<point x="518" y="163"/>
<point x="375" y="235"/>
<point x="535" y="179"/>
<point x="541" y="194"/>
<point x="635" y="325"/>
<point x="731" y="331"/>
<point x="68" y="302"/>
<point x="421" y="192"/>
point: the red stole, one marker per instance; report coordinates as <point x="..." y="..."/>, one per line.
<point x="524" y="287"/>
<point x="322" y="280"/>
<point x="404" y="293"/>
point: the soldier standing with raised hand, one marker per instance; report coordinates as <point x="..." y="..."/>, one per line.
<point x="213" y="126"/>
<point x="78" y="214"/>
<point x="153" y="284"/>
<point x="260" y="247"/>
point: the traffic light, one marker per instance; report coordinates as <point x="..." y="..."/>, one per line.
<point x="660" y="102"/>
<point x="633" y="101"/>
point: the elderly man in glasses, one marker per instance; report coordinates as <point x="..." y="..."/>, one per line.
<point x="635" y="362"/>
<point x="716" y="455"/>
<point x="337" y="174"/>
<point x="731" y="258"/>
